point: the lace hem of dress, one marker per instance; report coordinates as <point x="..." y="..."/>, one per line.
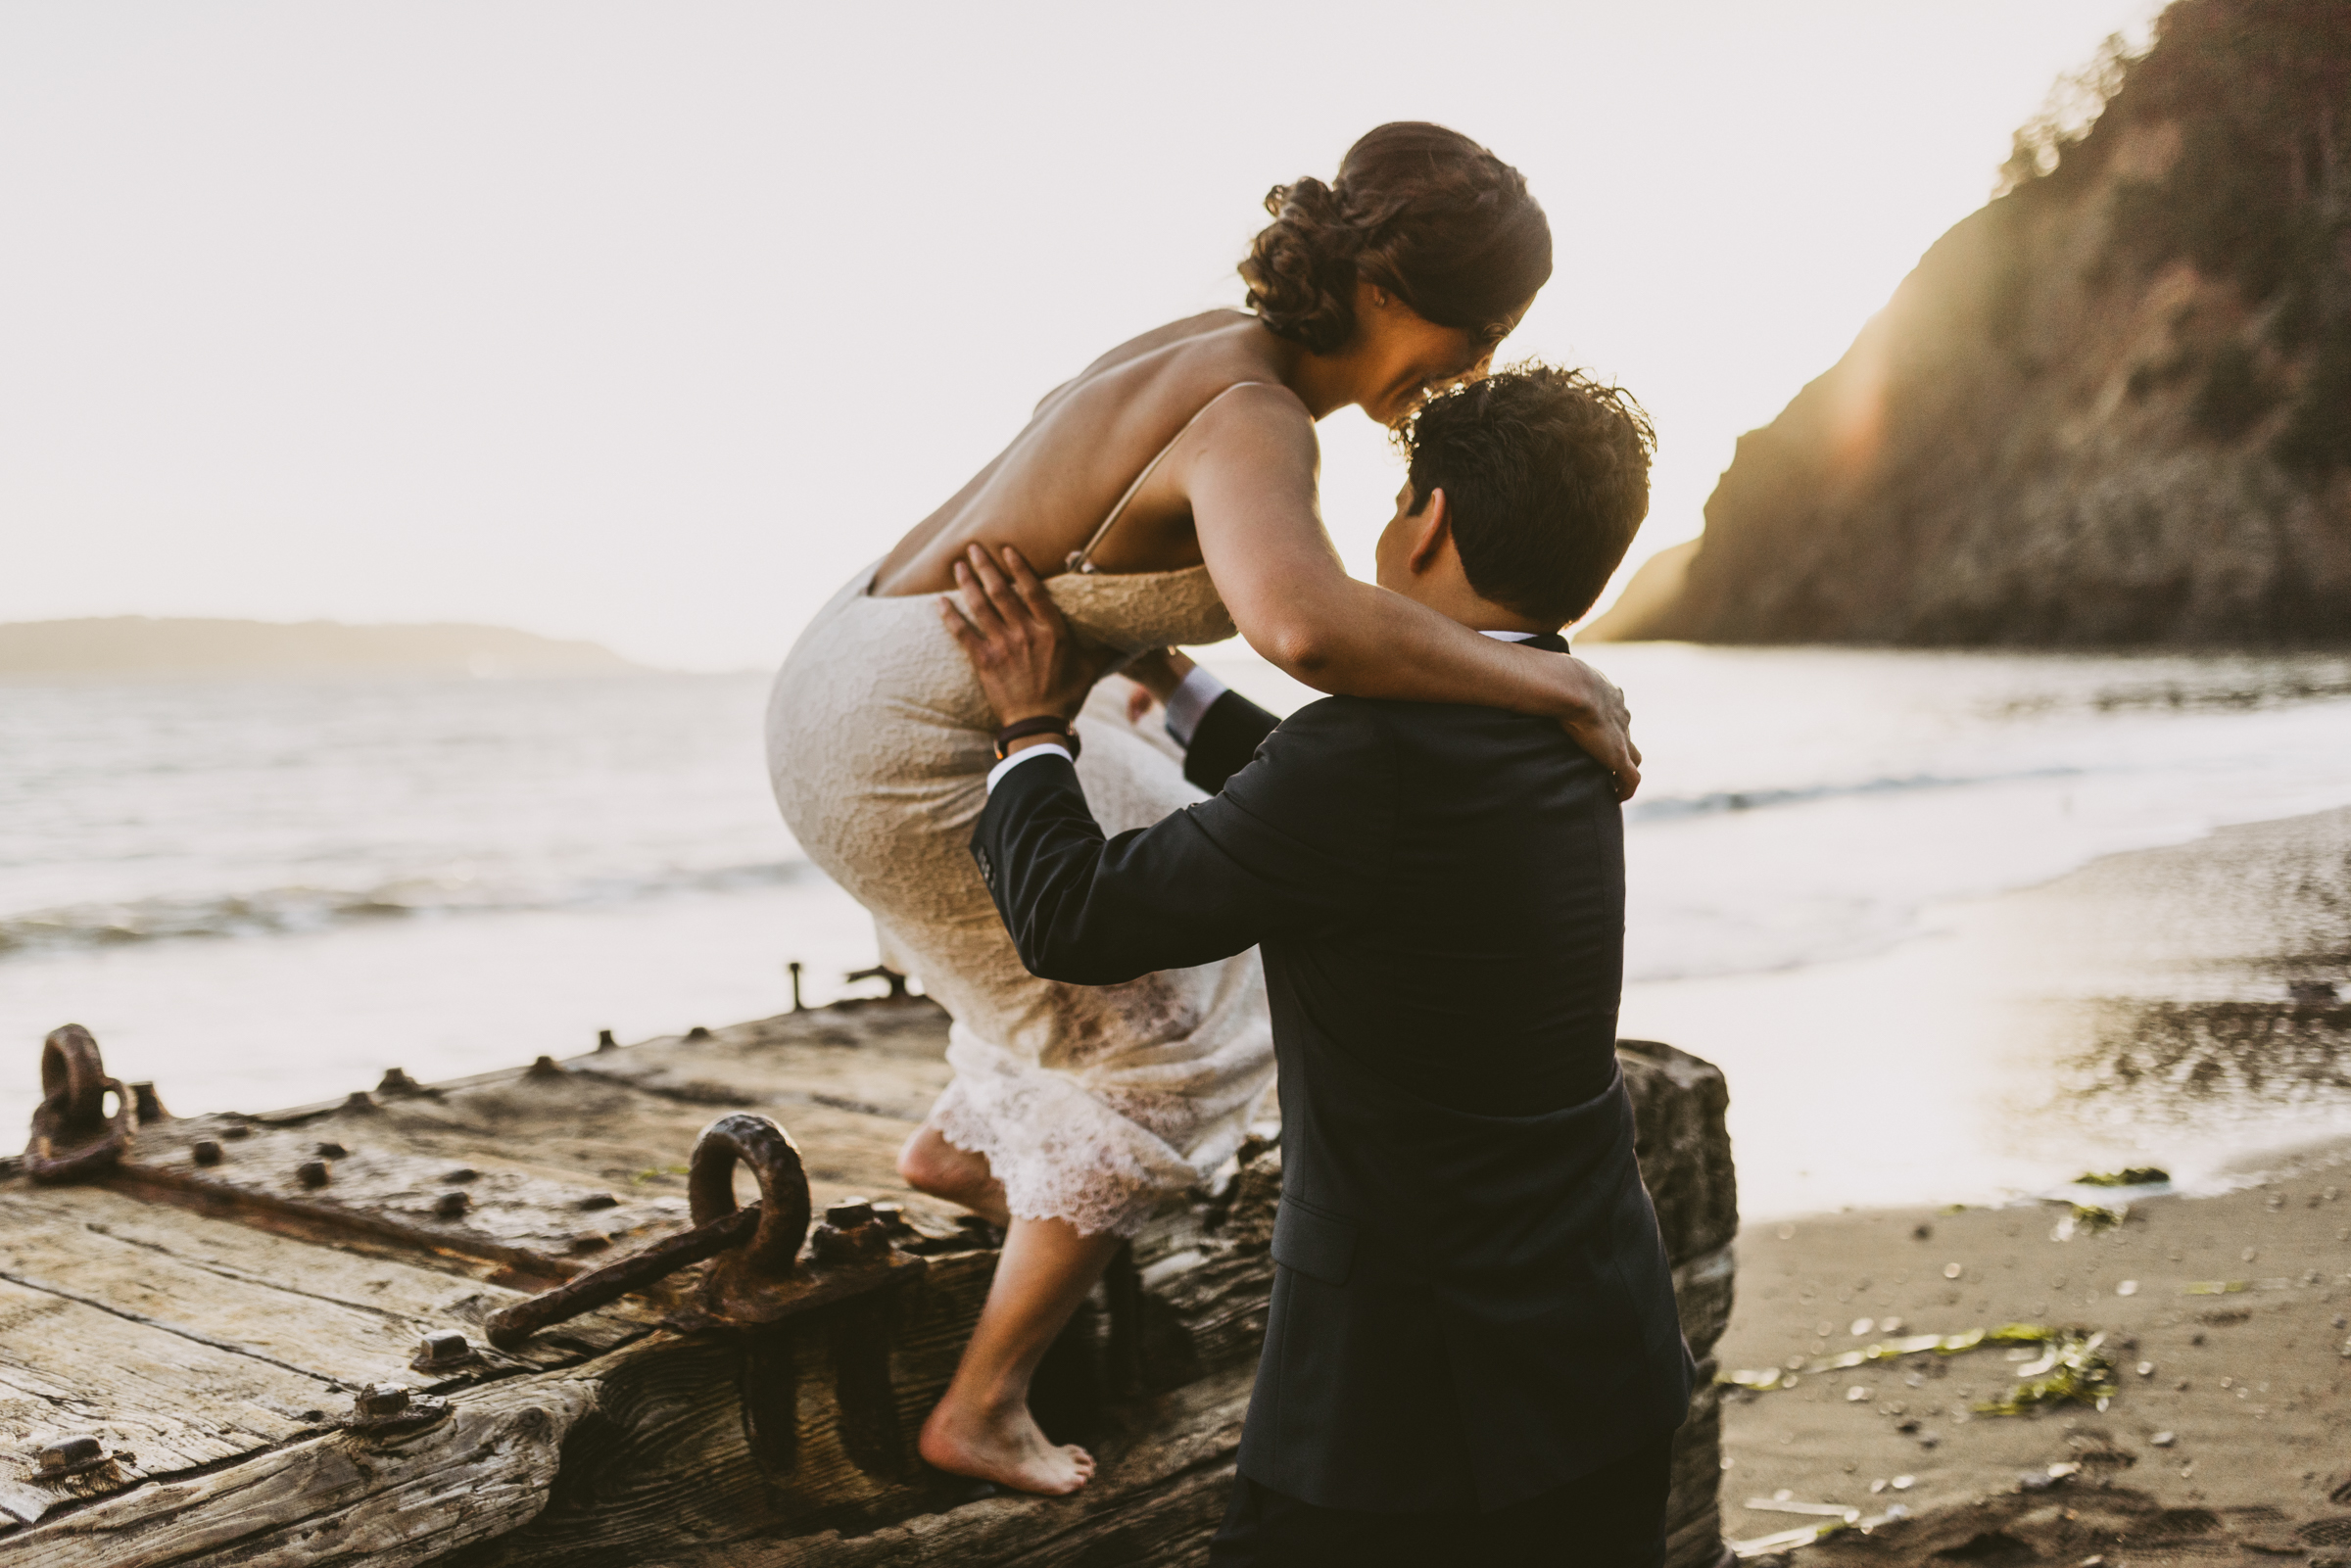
<point x="1060" y="1153"/>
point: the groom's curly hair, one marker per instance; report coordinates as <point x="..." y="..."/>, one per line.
<point x="1546" y="473"/>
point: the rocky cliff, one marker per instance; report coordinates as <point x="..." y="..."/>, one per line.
<point x="2112" y="408"/>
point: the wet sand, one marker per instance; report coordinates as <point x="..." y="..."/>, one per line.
<point x="2173" y="1007"/>
<point x="2254" y="1383"/>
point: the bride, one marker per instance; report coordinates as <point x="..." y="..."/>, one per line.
<point x="1173" y="482"/>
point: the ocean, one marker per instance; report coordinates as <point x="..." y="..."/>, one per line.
<point x="265" y="892"/>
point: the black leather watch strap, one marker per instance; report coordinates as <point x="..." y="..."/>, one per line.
<point x="1043" y="723"/>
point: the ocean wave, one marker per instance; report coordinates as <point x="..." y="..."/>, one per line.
<point x="289" y="911"/>
<point x="1718" y="801"/>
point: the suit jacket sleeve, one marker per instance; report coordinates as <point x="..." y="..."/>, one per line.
<point x="1227" y="737"/>
<point x="1290" y="848"/>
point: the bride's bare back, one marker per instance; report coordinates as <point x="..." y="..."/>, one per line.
<point x="1048" y="491"/>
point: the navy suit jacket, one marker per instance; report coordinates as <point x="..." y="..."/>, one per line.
<point x="1471" y="1301"/>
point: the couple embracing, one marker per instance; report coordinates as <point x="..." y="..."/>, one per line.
<point x="1405" y="901"/>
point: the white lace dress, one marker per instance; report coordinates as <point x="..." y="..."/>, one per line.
<point x="1093" y="1103"/>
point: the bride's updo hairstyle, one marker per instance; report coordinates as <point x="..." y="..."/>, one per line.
<point x="1421" y="211"/>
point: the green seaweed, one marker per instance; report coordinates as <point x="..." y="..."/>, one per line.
<point x="2134" y="1176"/>
<point x="2075" y="1372"/>
<point x="1763" y="1380"/>
<point x="2097" y="1216"/>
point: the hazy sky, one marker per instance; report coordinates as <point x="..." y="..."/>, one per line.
<point x="652" y="323"/>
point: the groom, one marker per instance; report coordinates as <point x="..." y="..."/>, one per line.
<point x="1472" y="1354"/>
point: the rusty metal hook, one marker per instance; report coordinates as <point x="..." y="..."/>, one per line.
<point x="73" y="1136"/>
<point x="769" y="1233"/>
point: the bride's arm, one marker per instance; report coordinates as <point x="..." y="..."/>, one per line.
<point x="1249" y="474"/>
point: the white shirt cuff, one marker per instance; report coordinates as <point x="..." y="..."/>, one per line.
<point x="1051" y="748"/>
<point x="1189" y="703"/>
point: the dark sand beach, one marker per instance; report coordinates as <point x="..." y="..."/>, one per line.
<point x="2236" y="1310"/>
<point x="2183" y="993"/>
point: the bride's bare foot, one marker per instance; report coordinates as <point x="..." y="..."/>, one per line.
<point x="1007" y="1447"/>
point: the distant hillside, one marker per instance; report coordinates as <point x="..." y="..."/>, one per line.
<point x="137" y="646"/>
<point x="2112" y="408"/>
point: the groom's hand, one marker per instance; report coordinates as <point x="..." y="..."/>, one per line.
<point x="1029" y="661"/>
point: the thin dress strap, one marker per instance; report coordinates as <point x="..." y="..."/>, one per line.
<point x="1082" y="560"/>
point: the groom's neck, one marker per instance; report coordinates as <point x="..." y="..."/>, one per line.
<point x="1450" y="594"/>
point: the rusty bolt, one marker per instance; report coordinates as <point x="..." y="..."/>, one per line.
<point x="150" y="1108"/>
<point x="893" y="1216"/>
<point x="452" y="1205"/>
<point x="590" y="1242"/>
<point x="72" y="1456"/>
<point x="331" y="1150"/>
<point x="849" y="1214"/>
<point x="462" y="1173"/>
<point x="698" y="1034"/>
<point x="442" y="1349"/>
<point x="312" y="1173"/>
<point x="232" y="1134"/>
<point x="604" y="1041"/>
<point x="204" y="1152"/>
<point x="545" y="1068"/>
<point x="379" y="1399"/>
<point x="359" y="1100"/>
<point x="597" y="1199"/>
<point x="396" y="1081"/>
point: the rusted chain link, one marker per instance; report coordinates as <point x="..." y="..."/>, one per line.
<point x="768" y="1233"/>
<point x="72" y="1135"/>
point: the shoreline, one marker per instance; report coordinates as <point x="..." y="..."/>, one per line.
<point x="2176" y="1005"/>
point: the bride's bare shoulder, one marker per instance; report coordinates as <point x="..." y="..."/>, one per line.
<point x="1202" y="344"/>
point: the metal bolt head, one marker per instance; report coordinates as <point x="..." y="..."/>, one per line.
<point x="599" y="1200"/>
<point x="462" y="1173"/>
<point x="545" y="1068"/>
<point x="452" y="1205"/>
<point x="604" y="1041"/>
<point x="359" y="1100"/>
<point x="849" y="1214"/>
<point x="699" y="1034"/>
<point x="395" y="1081"/>
<point x="204" y="1152"/>
<point x="380" y="1400"/>
<point x="72" y="1454"/>
<point x="232" y="1134"/>
<point x="331" y="1150"/>
<point x="443" y="1346"/>
<point x="312" y="1173"/>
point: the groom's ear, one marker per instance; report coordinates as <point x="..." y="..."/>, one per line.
<point x="1435" y="531"/>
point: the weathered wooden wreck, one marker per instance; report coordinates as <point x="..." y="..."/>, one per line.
<point x="520" y="1319"/>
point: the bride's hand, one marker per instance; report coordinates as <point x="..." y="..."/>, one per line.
<point x="1601" y="723"/>
<point x="1029" y="661"/>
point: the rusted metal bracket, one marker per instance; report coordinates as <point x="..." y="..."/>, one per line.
<point x="73" y="1138"/>
<point x="882" y="972"/>
<point x="762" y="1278"/>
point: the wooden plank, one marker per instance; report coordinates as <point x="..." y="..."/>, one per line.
<point x="298" y="1272"/>
<point x="1153" y="1504"/>
<point x="337" y="1499"/>
<point x="379" y="1185"/>
<point x="174" y="1403"/>
<point x="884" y="1060"/>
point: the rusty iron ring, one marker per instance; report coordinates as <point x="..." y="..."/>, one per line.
<point x="73" y="1136"/>
<point x="770" y="1229"/>
<point x="70" y="1065"/>
<point x="785" y="1208"/>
